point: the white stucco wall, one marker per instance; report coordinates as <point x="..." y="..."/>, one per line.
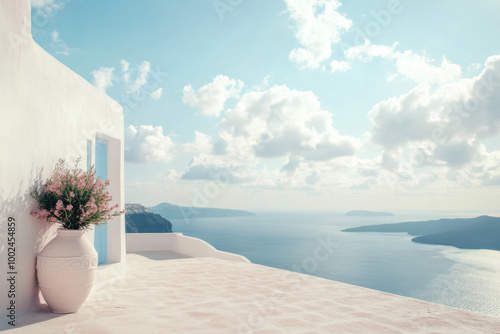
<point x="47" y="112"/>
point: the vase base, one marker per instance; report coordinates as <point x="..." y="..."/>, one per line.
<point x="66" y="300"/>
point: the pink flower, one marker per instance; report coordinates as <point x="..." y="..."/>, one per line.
<point x="69" y="207"/>
<point x="56" y="213"/>
<point x="107" y="182"/>
<point x="72" y="194"/>
<point x="58" y="192"/>
<point x="35" y="213"/>
<point x="59" y="204"/>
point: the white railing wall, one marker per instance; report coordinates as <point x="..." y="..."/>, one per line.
<point x="179" y="243"/>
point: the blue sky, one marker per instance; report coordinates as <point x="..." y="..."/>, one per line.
<point x="295" y="104"/>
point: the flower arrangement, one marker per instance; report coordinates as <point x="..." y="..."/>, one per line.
<point x="74" y="198"/>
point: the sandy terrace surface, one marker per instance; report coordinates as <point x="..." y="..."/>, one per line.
<point x="207" y="295"/>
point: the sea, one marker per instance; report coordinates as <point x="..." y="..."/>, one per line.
<point x="313" y="243"/>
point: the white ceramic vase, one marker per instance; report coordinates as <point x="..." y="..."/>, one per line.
<point x="66" y="270"/>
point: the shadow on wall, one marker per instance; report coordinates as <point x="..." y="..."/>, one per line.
<point x="46" y="230"/>
<point x="27" y="236"/>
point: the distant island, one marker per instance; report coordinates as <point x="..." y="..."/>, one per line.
<point x="171" y="211"/>
<point x="363" y="213"/>
<point x="139" y="219"/>
<point x="481" y="232"/>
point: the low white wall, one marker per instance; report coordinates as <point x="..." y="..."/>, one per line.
<point x="177" y="242"/>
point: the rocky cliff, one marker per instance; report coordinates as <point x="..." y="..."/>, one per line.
<point x="138" y="219"/>
<point x="481" y="232"/>
<point x="171" y="211"/>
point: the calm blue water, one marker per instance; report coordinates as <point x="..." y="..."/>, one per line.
<point x="390" y="262"/>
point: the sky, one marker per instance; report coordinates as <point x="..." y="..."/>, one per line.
<point x="295" y="104"/>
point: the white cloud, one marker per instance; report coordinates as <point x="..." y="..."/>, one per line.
<point x="391" y="161"/>
<point x="41" y="3"/>
<point x="457" y="154"/>
<point x="490" y="173"/>
<point x="473" y="67"/>
<point x="281" y="122"/>
<point x="441" y="130"/>
<point x="220" y="147"/>
<point x="134" y="79"/>
<point x="147" y="143"/>
<point x="278" y="126"/>
<point x="46" y="7"/>
<point x="318" y="26"/>
<point x="292" y="164"/>
<point x="279" y="138"/>
<point x="263" y="85"/>
<point x="212" y="97"/>
<point x="467" y="108"/>
<point x="403" y="119"/>
<point x="156" y="94"/>
<point x="265" y="81"/>
<point x="125" y="70"/>
<point x="419" y="69"/>
<point x="171" y="176"/>
<point x="207" y="171"/>
<point x="339" y="66"/>
<point x="103" y="78"/>
<point x="391" y="77"/>
<point x="55" y="36"/>
<point x="201" y="143"/>
<point x="276" y="137"/>
<point x="368" y="51"/>
<point x="408" y="64"/>
<point x="421" y="154"/>
<point x="59" y="45"/>
<point x="125" y="65"/>
<point x="141" y="79"/>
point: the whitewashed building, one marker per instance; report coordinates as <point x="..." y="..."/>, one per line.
<point x="48" y="112"/>
<point x="174" y="283"/>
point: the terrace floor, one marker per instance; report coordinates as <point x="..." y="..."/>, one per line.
<point x="166" y="293"/>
